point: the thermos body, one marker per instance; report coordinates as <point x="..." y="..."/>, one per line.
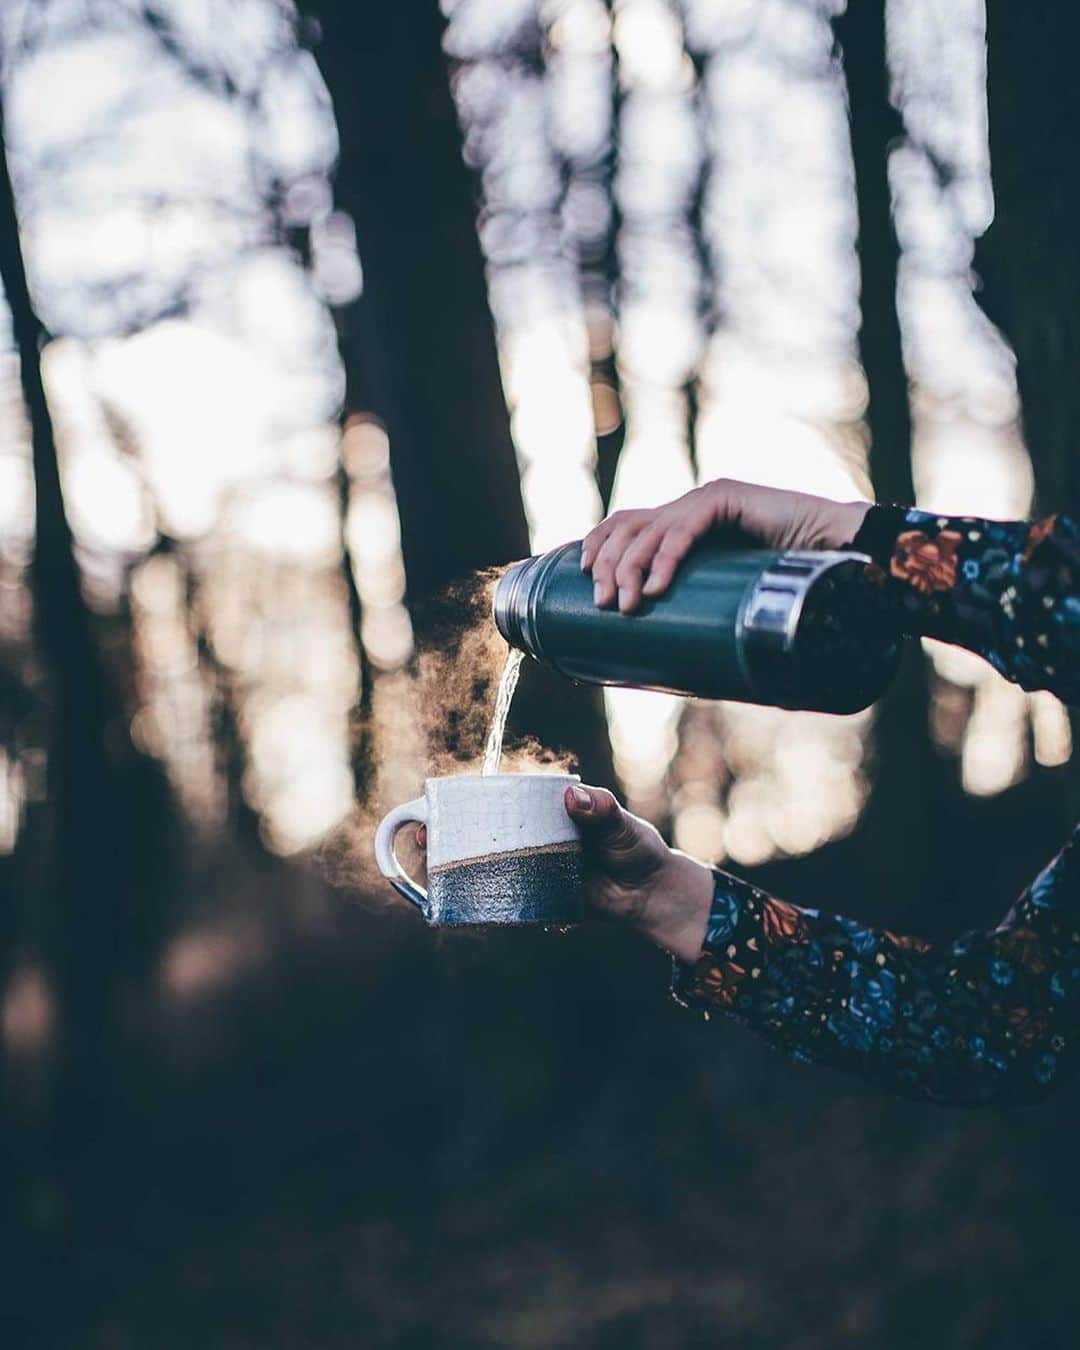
<point x="789" y="629"/>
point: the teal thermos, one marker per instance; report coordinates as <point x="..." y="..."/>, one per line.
<point x="788" y="629"/>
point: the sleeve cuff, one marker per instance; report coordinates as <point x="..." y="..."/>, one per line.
<point x="878" y="532"/>
<point x="725" y="914"/>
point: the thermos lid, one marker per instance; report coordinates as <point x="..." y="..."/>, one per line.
<point x="812" y="633"/>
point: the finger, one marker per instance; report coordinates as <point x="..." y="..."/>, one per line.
<point x="591" y="544"/>
<point x="594" y="540"/>
<point x="599" y="816"/>
<point x="634" y="563"/>
<point x="603" y="569"/>
<point x="672" y="549"/>
<point x="421" y="836"/>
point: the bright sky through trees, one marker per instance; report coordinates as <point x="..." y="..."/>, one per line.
<point x="165" y="174"/>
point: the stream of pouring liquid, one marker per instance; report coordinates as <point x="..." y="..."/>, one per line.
<point x="507" y="685"/>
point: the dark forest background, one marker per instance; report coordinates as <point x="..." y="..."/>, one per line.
<point x="249" y="1100"/>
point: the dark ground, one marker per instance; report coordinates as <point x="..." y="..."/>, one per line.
<point x="383" y="1137"/>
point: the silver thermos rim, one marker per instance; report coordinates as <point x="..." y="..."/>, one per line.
<point x="514" y="602"/>
<point x="769" y="617"/>
<point x="505" y="609"/>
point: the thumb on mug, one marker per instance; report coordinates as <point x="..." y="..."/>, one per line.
<point x="596" y="811"/>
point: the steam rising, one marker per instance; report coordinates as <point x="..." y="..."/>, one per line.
<point x="453" y="682"/>
<point x="458" y="673"/>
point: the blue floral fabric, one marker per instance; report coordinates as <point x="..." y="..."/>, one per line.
<point x="991" y="1016"/>
<point x="1008" y="590"/>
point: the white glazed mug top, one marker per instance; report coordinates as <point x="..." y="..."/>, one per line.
<point x="471" y="816"/>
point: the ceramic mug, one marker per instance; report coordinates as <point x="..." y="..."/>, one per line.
<point x="501" y="849"/>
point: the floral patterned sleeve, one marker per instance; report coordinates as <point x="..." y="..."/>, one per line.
<point x="1009" y="590"/>
<point x="991" y="1016"/>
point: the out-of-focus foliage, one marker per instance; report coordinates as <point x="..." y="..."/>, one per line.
<point x="180" y="235"/>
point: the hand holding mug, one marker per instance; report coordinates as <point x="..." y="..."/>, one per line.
<point x="632" y="875"/>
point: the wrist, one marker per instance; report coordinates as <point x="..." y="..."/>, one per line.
<point x="677" y="912"/>
<point x="844" y="522"/>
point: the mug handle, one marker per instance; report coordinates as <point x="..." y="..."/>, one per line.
<point x="416" y="813"/>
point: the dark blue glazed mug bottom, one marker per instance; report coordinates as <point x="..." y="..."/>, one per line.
<point x="535" y="885"/>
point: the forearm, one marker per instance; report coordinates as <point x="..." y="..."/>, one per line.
<point x="1007" y="590"/>
<point x="988" y="1017"/>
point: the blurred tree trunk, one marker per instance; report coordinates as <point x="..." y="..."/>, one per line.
<point x="80" y="707"/>
<point x="1029" y="258"/>
<point x="598" y="272"/>
<point x="875" y="127"/>
<point x="402" y="178"/>
<point x="419" y="346"/>
<point x="900" y="808"/>
<point x="99" y="845"/>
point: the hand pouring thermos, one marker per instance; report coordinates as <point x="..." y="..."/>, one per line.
<point x="788" y="629"/>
